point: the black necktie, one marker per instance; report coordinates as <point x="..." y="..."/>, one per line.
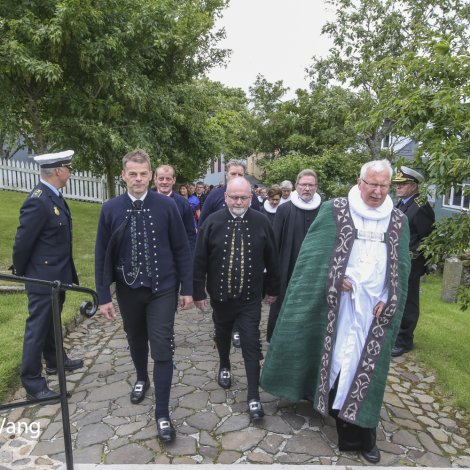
<point x="137" y="205"/>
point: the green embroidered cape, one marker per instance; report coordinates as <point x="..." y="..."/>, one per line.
<point x="298" y="361"/>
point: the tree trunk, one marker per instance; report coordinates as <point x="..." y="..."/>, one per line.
<point x="110" y="182"/>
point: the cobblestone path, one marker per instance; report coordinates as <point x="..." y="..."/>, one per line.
<point x="418" y="426"/>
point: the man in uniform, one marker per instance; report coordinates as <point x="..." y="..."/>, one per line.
<point x="164" y="180"/>
<point x="43" y="250"/>
<point x="141" y="245"/>
<point x="291" y="223"/>
<point x="233" y="248"/>
<point x="421" y="220"/>
<point x="342" y="311"/>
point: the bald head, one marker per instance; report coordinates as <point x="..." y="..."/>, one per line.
<point x="239" y="183"/>
<point x="238" y="196"/>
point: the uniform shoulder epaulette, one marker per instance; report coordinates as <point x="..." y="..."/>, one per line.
<point x="36" y="193"/>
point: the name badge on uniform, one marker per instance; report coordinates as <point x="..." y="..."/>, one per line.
<point x="370" y="235"/>
<point x="56" y="211"/>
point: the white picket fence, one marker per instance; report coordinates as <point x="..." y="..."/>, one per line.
<point x="83" y="186"/>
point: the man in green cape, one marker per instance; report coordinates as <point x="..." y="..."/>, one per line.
<point x="342" y="311"/>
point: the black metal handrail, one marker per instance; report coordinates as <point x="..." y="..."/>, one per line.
<point x="86" y="308"/>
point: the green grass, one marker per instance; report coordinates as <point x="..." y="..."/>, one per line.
<point x="442" y="342"/>
<point x="442" y="337"/>
<point x="14" y="307"/>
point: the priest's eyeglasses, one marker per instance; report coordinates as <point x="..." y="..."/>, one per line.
<point x="241" y="198"/>
<point x="306" y="185"/>
<point x="382" y="187"/>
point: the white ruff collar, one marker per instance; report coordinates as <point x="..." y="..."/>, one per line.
<point x="370" y="213"/>
<point x="269" y="208"/>
<point x="307" y="206"/>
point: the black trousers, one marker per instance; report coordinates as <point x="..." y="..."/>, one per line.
<point x="351" y="436"/>
<point x="410" y="317"/>
<point x="247" y="314"/>
<point x="38" y="341"/>
<point x="274" y="311"/>
<point x="150" y="318"/>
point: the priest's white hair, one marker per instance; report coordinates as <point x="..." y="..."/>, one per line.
<point x="378" y="166"/>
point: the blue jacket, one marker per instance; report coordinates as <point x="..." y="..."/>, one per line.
<point x="186" y="212"/>
<point x="169" y="253"/>
<point x="43" y="242"/>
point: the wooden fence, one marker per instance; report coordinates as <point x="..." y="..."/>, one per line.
<point x="83" y="186"/>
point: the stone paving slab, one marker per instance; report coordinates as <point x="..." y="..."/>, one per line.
<point x="418" y="427"/>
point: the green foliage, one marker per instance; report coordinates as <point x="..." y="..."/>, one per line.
<point x="336" y="172"/>
<point x="107" y="77"/>
<point x="449" y="238"/>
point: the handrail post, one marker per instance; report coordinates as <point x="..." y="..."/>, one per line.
<point x="58" y="338"/>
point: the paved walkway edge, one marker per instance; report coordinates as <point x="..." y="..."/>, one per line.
<point x="232" y="467"/>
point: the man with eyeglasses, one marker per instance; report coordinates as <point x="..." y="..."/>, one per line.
<point x="216" y="198"/>
<point x="43" y="250"/>
<point x="421" y="220"/>
<point x="342" y="311"/>
<point x="291" y="224"/>
<point x="234" y="247"/>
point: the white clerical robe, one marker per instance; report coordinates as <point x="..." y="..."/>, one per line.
<point x="366" y="271"/>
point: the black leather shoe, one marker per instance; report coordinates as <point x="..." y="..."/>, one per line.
<point x="255" y="408"/>
<point x="399" y="350"/>
<point x="373" y="456"/>
<point x="70" y="365"/>
<point x="44" y="393"/>
<point x="224" y="378"/>
<point x="166" y="431"/>
<point x="138" y="392"/>
<point x="236" y="339"/>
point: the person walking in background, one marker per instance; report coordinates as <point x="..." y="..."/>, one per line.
<point x="291" y="223"/>
<point x="234" y="247"/>
<point x="272" y="203"/>
<point x="421" y="221"/>
<point x="193" y="201"/>
<point x="286" y="188"/>
<point x="142" y="246"/>
<point x="216" y="198"/>
<point x="43" y="250"/>
<point x="342" y="311"/>
<point x="200" y="193"/>
<point x="164" y="180"/>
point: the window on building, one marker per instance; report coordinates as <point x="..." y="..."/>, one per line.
<point x="458" y="197"/>
<point x="219" y="164"/>
<point x="212" y="166"/>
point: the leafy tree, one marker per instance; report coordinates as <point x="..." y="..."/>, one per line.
<point x="103" y="77"/>
<point x="336" y="172"/>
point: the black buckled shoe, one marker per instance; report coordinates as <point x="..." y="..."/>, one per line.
<point x="236" y="339"/>
<point x="69" y="364"/>
<point x="399" y="350"/>
<point x="372" y="456"/>
<point x="255" y="408"/>
<point x="42" y="394"/>
<point x="224" y="378"/>
<point x="166" y="431"/>
<point x="138" y="392"/>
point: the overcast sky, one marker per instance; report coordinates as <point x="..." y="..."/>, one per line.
<point x="276" y="38"/>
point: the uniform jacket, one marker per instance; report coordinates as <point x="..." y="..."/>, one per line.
<point x="421" y="221"/>
<point x="43" y="242"/>
<point x="169" y="251"/>
<point x="211" y="264"/>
